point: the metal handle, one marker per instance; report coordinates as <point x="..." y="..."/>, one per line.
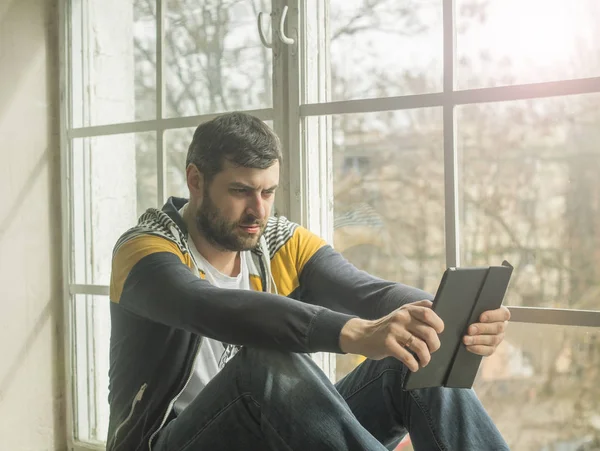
<point x="260" y="31"/>
<point x="282" y="36"/>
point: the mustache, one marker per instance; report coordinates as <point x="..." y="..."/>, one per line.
<point x="251" y="221"/>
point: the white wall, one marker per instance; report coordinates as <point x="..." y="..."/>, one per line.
<point x="31" y="356"/>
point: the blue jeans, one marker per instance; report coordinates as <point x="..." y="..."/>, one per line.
<point x="270" y="400"/>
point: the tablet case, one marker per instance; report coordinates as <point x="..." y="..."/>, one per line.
<point x="463" y="295"/>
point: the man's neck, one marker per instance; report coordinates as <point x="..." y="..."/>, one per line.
<point x="226" y="262"/>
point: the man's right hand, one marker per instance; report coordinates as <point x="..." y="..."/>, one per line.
<point x="391" y="335"/>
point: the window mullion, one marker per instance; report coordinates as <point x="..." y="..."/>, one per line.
<point x="452" y="228"/>
<point x="316" y="133"/>
<point x="310" y="82"/>
<point x="281" y="109"/>
<point x="161" y="157"/>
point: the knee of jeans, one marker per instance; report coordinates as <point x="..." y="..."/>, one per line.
<point x="282" y="368"/>
<point x="291" y="375"/>
<point x="391" y="367"/>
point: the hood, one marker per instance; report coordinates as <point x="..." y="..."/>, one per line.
<point x="168" y="223"/>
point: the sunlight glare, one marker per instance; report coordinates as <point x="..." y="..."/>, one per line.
<point x="540" y="33"/>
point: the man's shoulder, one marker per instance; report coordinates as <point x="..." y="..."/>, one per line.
<point x="278" y="232"/>
<point x="146" y="243"/>
<point x="299" y="241"/>
<point x="280" y="224"/>
<point x="133" y="252"/>
<point x="154" y="226"/>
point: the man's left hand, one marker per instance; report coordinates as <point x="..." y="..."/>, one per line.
<point x="484" y="337"/>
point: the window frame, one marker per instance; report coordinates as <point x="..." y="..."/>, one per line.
<point x="301" y="113"/>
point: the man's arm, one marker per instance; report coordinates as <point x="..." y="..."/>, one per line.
<point x="151" y="280"/>
<point x="329" y="280"/>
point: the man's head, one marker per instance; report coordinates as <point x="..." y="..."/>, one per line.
<point x="232" y="172"/>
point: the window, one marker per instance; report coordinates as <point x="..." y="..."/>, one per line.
<point x="441" y="155"/>
<point x="139" y="75"/>
<point x="418" y="135"/>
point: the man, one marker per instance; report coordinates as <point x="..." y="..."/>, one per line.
<point x="215" y="305"/>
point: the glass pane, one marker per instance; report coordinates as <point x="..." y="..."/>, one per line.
<point x="530" y="194"/>
<point x="92" y="345"/>
<point x="505" y="42"/>
<point x="114" y="181"/>
<point x="177" y="142"/>
<point x="541" y="387"/>
<point x="388" y="183"/>
<point x="382" y="48"/>
<point x="113" y="50"/>
<point x="214" y="60"/>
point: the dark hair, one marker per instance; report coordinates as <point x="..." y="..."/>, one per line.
<point x="239" y="138"/>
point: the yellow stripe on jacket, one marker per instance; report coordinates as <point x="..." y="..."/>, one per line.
<point x="289" y="261"/>
<point x="132" y="252"/>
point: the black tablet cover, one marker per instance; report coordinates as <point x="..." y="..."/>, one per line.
<point x="463" y="295"/>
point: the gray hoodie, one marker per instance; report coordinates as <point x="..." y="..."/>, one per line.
<point x="161" y="308"/>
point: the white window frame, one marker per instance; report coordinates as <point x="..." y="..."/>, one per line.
<point x="306" y="196"/>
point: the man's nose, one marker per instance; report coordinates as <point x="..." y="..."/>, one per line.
<point x="257" y="207"/>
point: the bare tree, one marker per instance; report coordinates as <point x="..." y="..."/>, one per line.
<point x="210" y="66"/>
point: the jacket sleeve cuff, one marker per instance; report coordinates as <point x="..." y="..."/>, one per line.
<point x="324" y="335"/>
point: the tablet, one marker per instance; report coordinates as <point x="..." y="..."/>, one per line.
<point x="463" y="295"/>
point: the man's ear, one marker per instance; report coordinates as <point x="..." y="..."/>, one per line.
<point x="195" y="180"/>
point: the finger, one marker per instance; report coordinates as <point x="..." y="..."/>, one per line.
<point x="402" y="354"/>
<point x="420" y="348"/>
<point x="495" y="316"/>
<point x="481" y="350"/>
<point x="427" y="316"/>
<point x="487" y="328"/>
<point x="423" y="303"/>
<point x="425" y="333"/>
<point x="486" y="340"/>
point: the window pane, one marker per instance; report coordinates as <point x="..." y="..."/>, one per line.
<point x="214" y="60"/>
<point x="92" y="335"/>
<point x="177" y="143"/>
<point x="114" y="181"/>
<point x="113" y="49"/>
<point x="541" y="387"/>
<point x="505" y="42"/>
<point x="388" y="174"/>
<point x="530" y="194"/>
<point x="383" y="48"/>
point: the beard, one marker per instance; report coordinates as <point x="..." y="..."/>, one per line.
<point x="223" y="234"/>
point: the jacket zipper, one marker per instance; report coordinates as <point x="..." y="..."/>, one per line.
<point x="138" y="397"/>
<point x="166" y="415"/>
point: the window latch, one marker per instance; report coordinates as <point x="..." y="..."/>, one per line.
<point x="281" y="31"/>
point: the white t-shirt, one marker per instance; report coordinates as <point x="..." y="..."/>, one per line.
<point x="211" y="351"/>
